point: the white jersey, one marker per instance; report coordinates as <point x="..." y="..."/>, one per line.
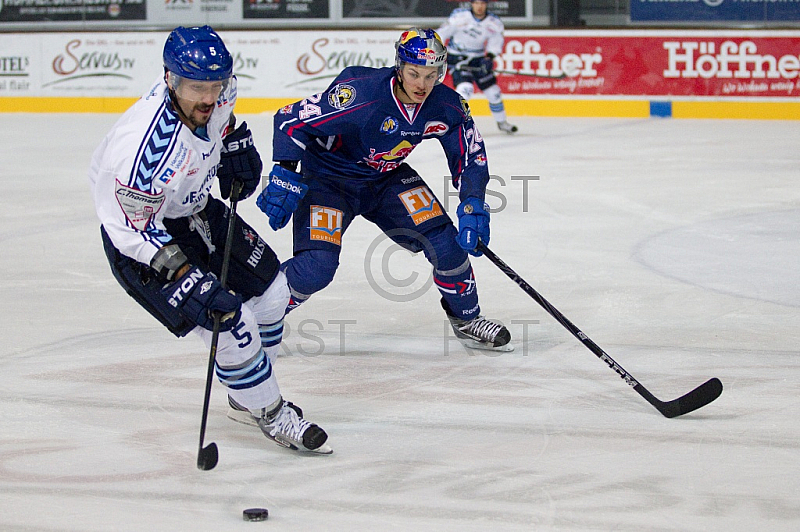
<point x="470" y="36"/>
<point x="151" y="166"/>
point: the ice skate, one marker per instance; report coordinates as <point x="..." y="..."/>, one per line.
<point x="480" y="332"/>
<point x="284" y="425"/>
<point x="506" y="127"/>
<point x="240" y="414"/>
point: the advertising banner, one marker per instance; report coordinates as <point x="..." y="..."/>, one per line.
<point x="299" y="9"/>
<point x="195" y="12"/>
<point x="296" y="64"/>
<point x="714" y="10"/>
<point x="417" y="9"/>
<point x="647" y="64"/>
<point x="71" y="10"/>
<point x="268" y="64"/>
<point x="79" y="64"/>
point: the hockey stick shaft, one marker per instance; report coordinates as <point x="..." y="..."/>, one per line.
<point x="530" y="74"/>
<point x="699" y="397"/>
<point x="207" y="456"/>
<point x="512" y="72"/>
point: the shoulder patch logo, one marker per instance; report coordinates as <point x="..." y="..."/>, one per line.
<point x="465" y="108"/>
<point x="389" y="125"/>
<point x="139" y="207"/>
<point x="341" y="96"/>
<point x="435" y="127"/>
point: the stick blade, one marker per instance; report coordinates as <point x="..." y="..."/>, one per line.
<point x="207" y="457"/>
<point x="697" y="398"/>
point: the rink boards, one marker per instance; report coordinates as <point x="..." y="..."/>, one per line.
<point x="590" y="73"/>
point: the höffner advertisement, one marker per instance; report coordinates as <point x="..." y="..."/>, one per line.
<point x="294" y="64"/>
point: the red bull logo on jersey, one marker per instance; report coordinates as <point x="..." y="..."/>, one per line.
<point x="326" y="224"/>
<point x="383" y="161"/>
<point x="420" y="204"/>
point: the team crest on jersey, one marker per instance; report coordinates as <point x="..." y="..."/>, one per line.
<point x="420" y="204"/>
<point x="139" y="207"/>
<point x="341" y="96"/>
<point x="480" y="159"/>
<point x="389" y="125"/>
<point x="286" y="109"/>
<point x="326" y="224"/>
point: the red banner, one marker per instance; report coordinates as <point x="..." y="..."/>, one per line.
<point x="679" y="65"/>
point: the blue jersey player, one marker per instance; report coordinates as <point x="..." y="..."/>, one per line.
<point x="340" y="154"/>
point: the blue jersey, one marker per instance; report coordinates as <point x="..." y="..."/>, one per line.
<point x="357" y="129"/>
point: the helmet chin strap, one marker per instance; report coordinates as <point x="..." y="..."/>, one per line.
<point x="402" y="87"/>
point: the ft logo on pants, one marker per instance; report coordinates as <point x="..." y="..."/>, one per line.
<point x="326" y="224"/>
<point x="420" y="204"/>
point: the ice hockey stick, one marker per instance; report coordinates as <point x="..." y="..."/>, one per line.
<point x="697" y="398"/>
<point x="207" y="456"/>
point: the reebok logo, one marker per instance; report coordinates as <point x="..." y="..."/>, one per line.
<point x="280" y="183"/>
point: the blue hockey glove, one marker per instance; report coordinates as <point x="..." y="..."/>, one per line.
<point x="239" y="161"/>
<point x="282" y="196"/>
<point x="199" y="295"/>
<point x="473" y="224"/>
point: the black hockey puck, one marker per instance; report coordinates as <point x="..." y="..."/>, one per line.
<point x="255" y="514"/>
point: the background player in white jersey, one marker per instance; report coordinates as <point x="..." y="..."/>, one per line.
<point x="164" y="234"/>
<point x="351" y="142"/>
<point x="474" y="37"/>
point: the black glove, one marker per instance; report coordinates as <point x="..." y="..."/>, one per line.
<point x="198" y="295"/>
<point x="239" y="161"/>
<point x="486" y="64"/>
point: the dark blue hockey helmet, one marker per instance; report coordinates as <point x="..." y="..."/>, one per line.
<point x="421" y="47"/>
<point x="197" y="53"/>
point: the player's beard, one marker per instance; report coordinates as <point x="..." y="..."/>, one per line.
<point x="193" y="114"/>
<point x="199" y="114"/>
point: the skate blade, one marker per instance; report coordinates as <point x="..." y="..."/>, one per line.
<point x="472" y="344"/>
<point x="322" y="449"/>
<point x="243" y="417"/>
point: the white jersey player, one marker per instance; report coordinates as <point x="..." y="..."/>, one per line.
<point x="474" y="37"/>
<point x="165" y="235"/>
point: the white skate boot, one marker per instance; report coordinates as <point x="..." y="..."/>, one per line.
<point x="506" y="127"/>
<point x="284" y="425"/>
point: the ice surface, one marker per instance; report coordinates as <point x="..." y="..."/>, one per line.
<point x="674" y="244"/>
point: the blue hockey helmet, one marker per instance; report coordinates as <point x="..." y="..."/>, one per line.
<point x="197" y="53"/>
<point x="421" y="47"/>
